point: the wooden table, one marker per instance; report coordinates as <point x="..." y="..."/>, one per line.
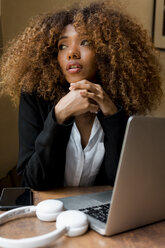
<point x="151" y="236"/>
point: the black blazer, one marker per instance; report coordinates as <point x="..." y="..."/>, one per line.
<point x="43" y="142"/>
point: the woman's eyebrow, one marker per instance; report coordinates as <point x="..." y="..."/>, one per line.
<point x="63" y="37"/>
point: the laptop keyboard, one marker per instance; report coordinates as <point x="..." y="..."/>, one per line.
<point x="98" y="212"/>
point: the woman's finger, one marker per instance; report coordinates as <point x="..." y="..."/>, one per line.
<point x="91" y="95"/>
<point x="84" y="84"/>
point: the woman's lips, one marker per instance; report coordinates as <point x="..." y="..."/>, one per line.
<point x="73" y="67"/>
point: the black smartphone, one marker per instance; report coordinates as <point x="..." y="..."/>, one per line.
<point x="15" y="197"/>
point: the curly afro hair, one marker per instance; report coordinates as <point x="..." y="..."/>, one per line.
<point x="128" y="68"/>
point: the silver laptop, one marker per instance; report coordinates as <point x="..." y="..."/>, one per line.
<point x="138" y="196"/>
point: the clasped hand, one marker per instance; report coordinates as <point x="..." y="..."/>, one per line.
<point x="83" y="97"/>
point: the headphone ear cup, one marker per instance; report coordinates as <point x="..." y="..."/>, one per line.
<point x="75" y="220"/>
<point x="48" y="210"/>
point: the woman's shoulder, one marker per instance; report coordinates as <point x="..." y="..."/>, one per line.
<point x="35" y="102"/>
<point x="33" y="98"/>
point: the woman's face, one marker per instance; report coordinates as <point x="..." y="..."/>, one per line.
<point x="76" y="56"/>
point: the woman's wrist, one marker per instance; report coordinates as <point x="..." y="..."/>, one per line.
<point x="109" y="109"/>
<point x="61" y="115"/>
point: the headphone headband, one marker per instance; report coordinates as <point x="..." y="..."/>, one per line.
<point x="38" y="241"/>
<point x="17" y="212"/>
<point x="71" y="222"/>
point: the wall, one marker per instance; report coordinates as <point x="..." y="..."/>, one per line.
<point x="15" y="15"/>
<point x="142" y="10"/>
<point x="1" y="42"/>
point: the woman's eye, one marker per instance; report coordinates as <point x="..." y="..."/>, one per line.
<point x="62" y="47"/>
<point x="85" y="43"/>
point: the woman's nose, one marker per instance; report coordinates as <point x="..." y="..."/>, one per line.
<point x="74" y="53"/>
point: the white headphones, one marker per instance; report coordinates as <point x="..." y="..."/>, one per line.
<point x="70" y="222"/>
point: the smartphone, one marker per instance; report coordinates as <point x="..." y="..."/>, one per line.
<point x="15" y="197"/>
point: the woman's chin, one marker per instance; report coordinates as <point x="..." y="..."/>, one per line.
<point x="75" y="79"/>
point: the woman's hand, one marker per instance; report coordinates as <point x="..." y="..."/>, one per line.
<point x="97" y="94"/>
<point x="73" y="104"/>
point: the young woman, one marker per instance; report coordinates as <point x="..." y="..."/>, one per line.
<point x="79" y="74"/>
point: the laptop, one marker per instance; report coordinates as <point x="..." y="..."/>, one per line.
<point x="138" y="196"/>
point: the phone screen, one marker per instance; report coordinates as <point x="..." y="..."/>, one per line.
<point x="15" y="197"/>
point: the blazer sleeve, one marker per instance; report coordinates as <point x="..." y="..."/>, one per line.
<point x="114" y="130"/>
<point x="42" y="145"/>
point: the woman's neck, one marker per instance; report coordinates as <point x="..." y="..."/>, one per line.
<point x="84" y="124"/>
